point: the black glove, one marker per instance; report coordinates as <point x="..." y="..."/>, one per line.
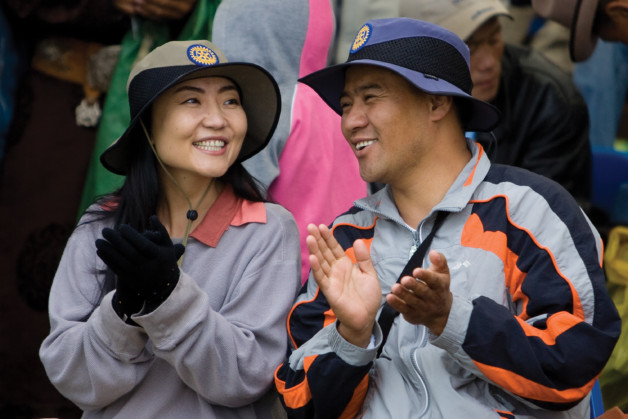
<point x="146" y="264"/>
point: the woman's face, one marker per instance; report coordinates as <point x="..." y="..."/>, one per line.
<point x="198" y="127"/>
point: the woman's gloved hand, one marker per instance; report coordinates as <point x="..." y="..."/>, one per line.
<point x="145" y="263"/>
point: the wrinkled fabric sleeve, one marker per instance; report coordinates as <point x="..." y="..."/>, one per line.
<point x="550" y="346"/>
<point x="324" y="375"/>
<point x="91" y="356"/>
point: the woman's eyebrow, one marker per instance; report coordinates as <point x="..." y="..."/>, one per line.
<point x="186" y="87"/>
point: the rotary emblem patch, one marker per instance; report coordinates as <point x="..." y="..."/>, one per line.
<point x="362" y="37"/>
<point x="202" y="55"/>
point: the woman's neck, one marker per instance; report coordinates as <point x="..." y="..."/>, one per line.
<point x="173" y="206"/>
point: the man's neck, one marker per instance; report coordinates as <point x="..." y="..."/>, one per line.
<point x="428" y="185"/>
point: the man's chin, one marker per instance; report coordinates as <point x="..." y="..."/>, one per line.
<point x="485" y="95"/>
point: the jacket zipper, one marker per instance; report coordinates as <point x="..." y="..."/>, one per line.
<point x="415" y="364"/>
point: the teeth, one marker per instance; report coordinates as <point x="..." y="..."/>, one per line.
<point x="212" y="145"/>
<point x="363" y="144"/>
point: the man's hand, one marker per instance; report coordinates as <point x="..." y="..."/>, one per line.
<point x="353" y="291"/>
<point x="425" y="298"/>
<point x="156" y="9"/>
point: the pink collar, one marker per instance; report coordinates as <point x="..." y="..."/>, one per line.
<point x="228" y="210"/>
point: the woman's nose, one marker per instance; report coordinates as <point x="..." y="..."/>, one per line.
<point x="214" y="118"/>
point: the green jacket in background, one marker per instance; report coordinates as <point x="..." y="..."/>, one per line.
<point x="144" y="37"/>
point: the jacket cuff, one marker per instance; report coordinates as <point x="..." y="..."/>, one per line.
<point x="456" y="328"/>
<point x="351" y="354"/>
<point x="126" y="341"/>
<point x="184" y="309"/>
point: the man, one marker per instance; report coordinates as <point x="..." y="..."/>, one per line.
<point x="510" y="315"/>
<point x="545" y="126"/>
<point x="588" y="21"/>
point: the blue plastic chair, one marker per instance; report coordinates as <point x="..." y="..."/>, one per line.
<point x="597" y="405"/>
<point x="610" y="171"/>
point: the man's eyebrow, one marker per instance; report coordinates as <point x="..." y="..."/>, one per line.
<point x="489" y="35"/>
<point x="362" y="88"/>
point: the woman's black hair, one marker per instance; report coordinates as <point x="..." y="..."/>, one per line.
<point x="137" y="199"/>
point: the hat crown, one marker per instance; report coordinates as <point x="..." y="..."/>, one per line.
<point x="416" y="45"/>
<point x="462" y="17"/>
<point x="166" y="64"/>
<point x="177" y="61"/>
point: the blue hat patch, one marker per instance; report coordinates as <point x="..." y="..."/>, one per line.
<point x="202" y="55"/>
<point x="362" y="37"/>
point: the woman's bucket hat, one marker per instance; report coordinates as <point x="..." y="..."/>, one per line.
<point x="178" y="61"/>
<point x="430" y="57"/>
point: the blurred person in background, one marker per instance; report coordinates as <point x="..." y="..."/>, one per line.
<point x="544" y="125"/>
<point x="305" y="167"/>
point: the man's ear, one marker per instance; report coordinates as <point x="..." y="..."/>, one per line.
<point x="441" y="105"/>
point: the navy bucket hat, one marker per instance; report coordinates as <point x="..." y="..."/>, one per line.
<point x="430" y="57"/>
<point x="178" y="61"/>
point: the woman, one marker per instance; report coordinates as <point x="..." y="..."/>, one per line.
<point x="143" y="325"/>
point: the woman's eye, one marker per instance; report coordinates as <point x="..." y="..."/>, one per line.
<point x="233" y="101"/>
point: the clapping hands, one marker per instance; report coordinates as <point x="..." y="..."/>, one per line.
<point x="145" y="264"/>
<point x="425" y="298"/>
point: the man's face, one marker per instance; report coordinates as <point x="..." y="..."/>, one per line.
<point x="487" y="48"/>
<point x="383" y="119"/>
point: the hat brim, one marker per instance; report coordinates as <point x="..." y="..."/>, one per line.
<point x="582" y="40"/>
<point x="329" y="84"/>
<point x="260" y="98"/>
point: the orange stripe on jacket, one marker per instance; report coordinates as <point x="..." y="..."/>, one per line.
<point x="299" y="395"/>
<point x="577" y="304"/>
<point x="524" y="387"/>
<point x="470" y="178"/>
<point x="557" y="324"/>
<point x="351" y="253"/>
<point x="474" y="235"/>
<point x="294" y="344"/>
<point x="357" y="400"/>
<point x="505" y="414"/>
<point x="330" y="317"/>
